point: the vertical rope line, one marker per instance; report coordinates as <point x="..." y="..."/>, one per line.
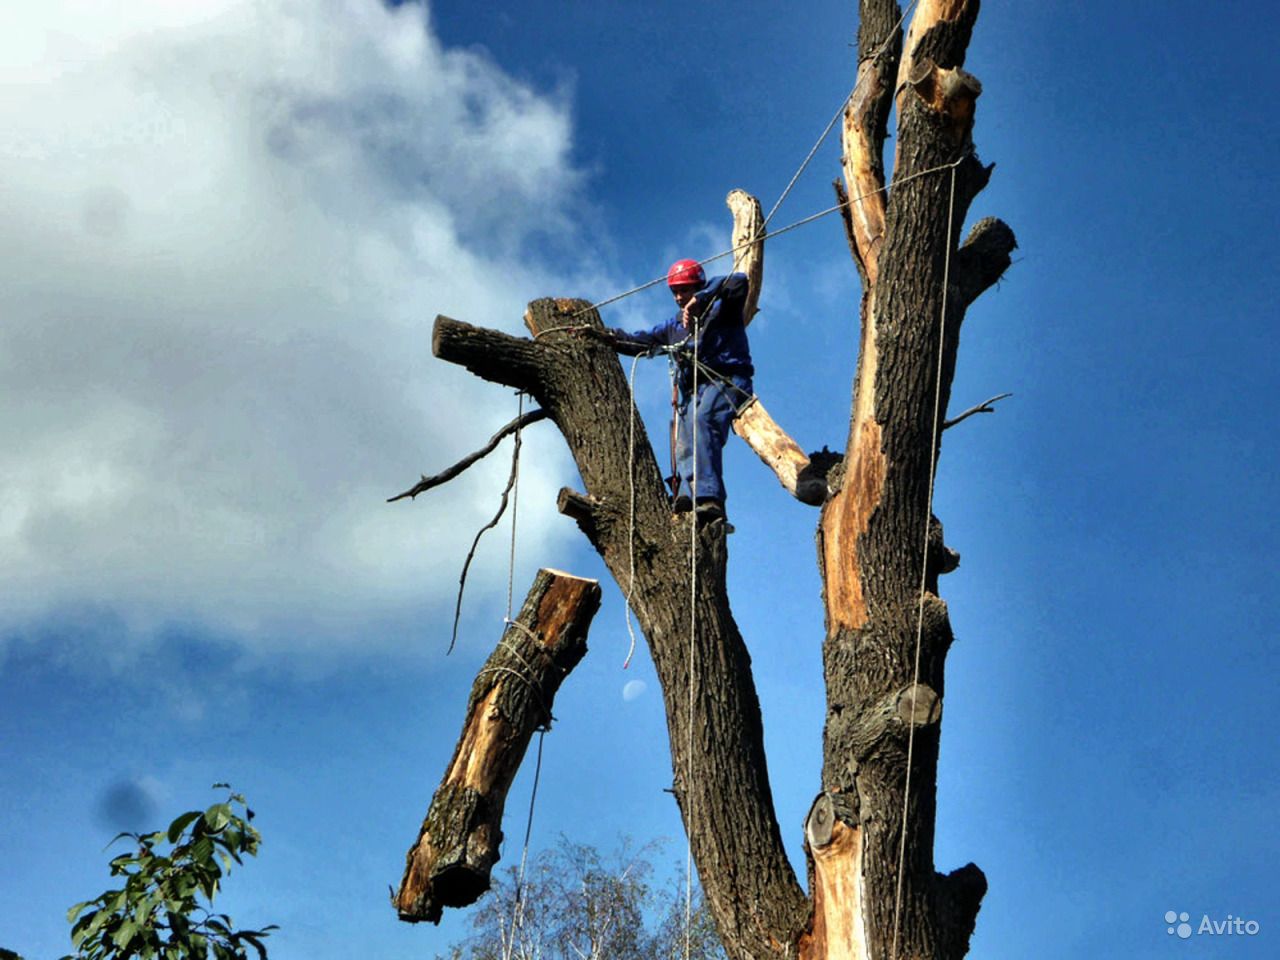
<point x="515" y="501"/>
<point x="924" y="566"/>
<point x="693" y="633"/>
<point x="517" y="910"/>
<point x="631" y="530"/>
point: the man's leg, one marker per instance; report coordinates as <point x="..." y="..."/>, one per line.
<point x="682" y="444"/>
<point x="715" y="414"/>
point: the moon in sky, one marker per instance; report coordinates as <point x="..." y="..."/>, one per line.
<point x="633" y="688"/>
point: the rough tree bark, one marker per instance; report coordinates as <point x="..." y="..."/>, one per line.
<point x="877" y="540"/>
<point x="450" y="863"/>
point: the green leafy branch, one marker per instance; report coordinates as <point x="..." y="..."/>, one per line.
<point x="164" y="910"/>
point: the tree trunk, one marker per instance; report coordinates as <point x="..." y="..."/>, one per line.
<point x="450" y="863"/>
<point x="870" y="836"/>
<point x="874" y="892"/>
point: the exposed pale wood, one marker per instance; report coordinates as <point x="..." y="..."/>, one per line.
<point x="839" y="929"/>
<point x="873" y="541"/>
<point x="748" y="244"/>
<point x="780" y="453"/>
<point x="450" y="862"/>
<point x="929" y="16"/>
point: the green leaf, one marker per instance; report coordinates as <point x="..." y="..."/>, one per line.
<point x="125" y="934"/>
<point x="217" y="817"/>
<point x="202" y="850"/>
<point x="75" y="911"/>
<point x="180" y="824"/>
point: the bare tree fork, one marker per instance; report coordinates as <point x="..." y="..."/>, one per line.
<point x="984" y="407"/>
<point x="450" y="863"/>
<point x="876" y="891"/>
<point x="720" y="773"/>
<point x="748" y="245"/>
<point x="444" y="476"/>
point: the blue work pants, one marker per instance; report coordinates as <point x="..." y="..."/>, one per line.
<point x="701" y="430"/>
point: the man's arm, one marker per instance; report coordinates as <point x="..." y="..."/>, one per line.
<point x="731" y="291"/>
<point x="631" y="344"/>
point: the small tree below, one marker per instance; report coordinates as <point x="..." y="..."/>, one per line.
<point x="578" y="904"/>
<point x="165" y="908"/>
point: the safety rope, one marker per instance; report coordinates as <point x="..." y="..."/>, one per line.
<point x="517" y="908"/>
<point x="924" y="565"/>
<point x="631" y="529"/>
<point x="794" y="225"/>
<point x="693" y="631"/>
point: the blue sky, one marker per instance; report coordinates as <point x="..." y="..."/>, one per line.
<point x="227" y="229"/>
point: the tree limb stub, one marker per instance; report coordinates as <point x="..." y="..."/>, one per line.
<point x="780" y="453"/>
<point x="449" y="864"/>
<point x="753" y="423"/>
<point x="984" y="257"/>
<point x="748" y="241"/>
<point x="444" y="476"/>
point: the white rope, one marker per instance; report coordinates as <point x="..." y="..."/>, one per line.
<point x="749" y="243"/>
<point x="924" y="567"/>
<point x="693" y="631"/>
<point x="631" y="530"/>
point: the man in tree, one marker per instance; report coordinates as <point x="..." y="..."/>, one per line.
<point x="710" y="349"/>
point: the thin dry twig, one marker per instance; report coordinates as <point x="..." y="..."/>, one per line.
<point x="444" y="476"/>
<point x="502" y="508"/>
<point x="983" y="407"/>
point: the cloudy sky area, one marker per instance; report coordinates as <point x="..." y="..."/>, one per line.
<point x="226" y="228"/>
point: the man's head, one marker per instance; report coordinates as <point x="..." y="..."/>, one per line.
<point x="685" y="278"/>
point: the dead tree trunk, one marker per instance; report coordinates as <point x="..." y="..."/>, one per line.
<point x="450" y="863"/>
<point x="874" y="892"/>
<point x="879" y="546"/>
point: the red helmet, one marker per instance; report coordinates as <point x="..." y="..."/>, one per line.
<point x="686" y="273"/>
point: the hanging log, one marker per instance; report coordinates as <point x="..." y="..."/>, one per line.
<point x="450" y="862"/>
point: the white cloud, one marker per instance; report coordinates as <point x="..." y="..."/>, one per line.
<point x="227" y="226"/>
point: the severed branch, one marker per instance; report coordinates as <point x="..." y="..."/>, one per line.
<point x="748" y="240"/>
<point x="449" y="863"/>
<point x="983" y="407"/>
<point x="444" y="476"/>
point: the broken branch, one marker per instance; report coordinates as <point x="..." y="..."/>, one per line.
<point x="466" y="564"/>
<point x="983" y="407"/>
<point x="444" y="476"/>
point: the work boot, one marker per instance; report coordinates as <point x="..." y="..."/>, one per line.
<point x="681" y="504"/>
<point x="709" y="509"/>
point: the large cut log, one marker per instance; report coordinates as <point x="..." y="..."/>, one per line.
<point x="450" y="862"/>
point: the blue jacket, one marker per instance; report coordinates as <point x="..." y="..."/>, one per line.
<point x="723" y="345"/>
